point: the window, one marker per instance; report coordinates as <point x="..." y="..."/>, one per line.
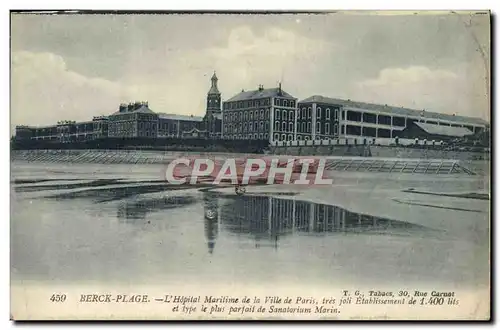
<point x="267" y="113"/>
<point x="285" y="103"/>
<point x="245" y="127"/>
<point x="255" y="136"/>
<point x="266" y="136"/>
<point x="261" y="126"/>
<point x="245" y="116"/>
<point x="309" y="112"/>
<point x="303" y="127"/>
<point x="307" y="137"/>
<point x="328" y="113"/>
<point x="318" y="112"/>
<point x="276" y="136"/>
<point x="250" y="115"/>
<point x="267" y="126"/>
<point x="299" y="137"/>
<point x="283" y="137"/>
<point x="335" y="129"/>
<point x="318" y="127"/>
<point x="276" y="125"/>
<point x="290" y="127"/>
<point x="260" y="136"/>
<point x="290" y="115"/>
<point x="278" y="114"/>
<point x="250" y="126"/>
<point x="283" y="126"/>
<point x="261" y="113"/>
<point x="256" y="114"/>
<point x="303" y="112"/>
<point x="327" y="128"/>
<point x="309" y="127"/>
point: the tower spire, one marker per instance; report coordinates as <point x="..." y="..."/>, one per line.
<point x="214" y="89"/>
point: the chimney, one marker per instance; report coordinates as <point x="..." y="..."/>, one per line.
<point x="123" y="107"/>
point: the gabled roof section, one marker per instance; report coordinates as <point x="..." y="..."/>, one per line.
<point x="179" y="117"/>
<point x="444" y="130"/>
<point x="393" y="110"/>
<point x="141" y="109"/>
<point x="260" y="93"/>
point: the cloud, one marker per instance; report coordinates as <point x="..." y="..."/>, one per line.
<point x="45" y="89"/>
<point x="421" y="87"/>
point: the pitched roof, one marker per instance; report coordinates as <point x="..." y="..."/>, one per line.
<point x="179" y="117"/>
<point x="257" y="94"/>
<point x="394" y="110"/>
<point x="444" y="130"/>
<point x="142" y="109"/>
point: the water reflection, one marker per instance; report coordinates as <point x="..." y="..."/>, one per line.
<point x="267" y="218"/>
<point x="130" y="211"/>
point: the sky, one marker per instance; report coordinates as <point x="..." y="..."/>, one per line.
<point x="74" y="67"/>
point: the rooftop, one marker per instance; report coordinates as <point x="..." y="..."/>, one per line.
<point x="444" y="130"/>
<point x="260" y="93"/>
<point x="179" y="117"/>
<point x="392" y="109"/>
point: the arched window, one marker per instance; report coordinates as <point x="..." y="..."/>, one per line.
<point x="327" y="128"/>
<point x="267" y="126"/>
<point x="307" y="137"/>
<point x="285" y="103"/>
<point x="309" y="112"/>
<point x="277" y="125"/>
<point x="290" y="115"/>
<point x="283" y="137"/>
<point x="336" y="117"/>
<point x="278" y="114"/>
<point x="299" y="137"/>
<point x="285" y="116"/>
<point x="250" y="115"/>
<point x="245" y="126"/>
<point x="261" y="113"/>
<point x="318" y="128"/>
<point x="276" y="136"/>
<point x="255" y="136"/>
<point x="303" y="113"/>
<point x="290" y="137"/>
<point x="328" y="113"/>
<point x="255" y="114"/>
<point x="261" y="125"/>
<point x="303" y="127"/>
<point x="283" y="126"/>
<point x="335" y="129"/>
<point x="267" y="113"/>
<point x="342" y="129"/>
<point x="290" y="127"/>
<point x="250" y="126"/>
<point x="318" y="112"/>
<point x="260" y="136"/>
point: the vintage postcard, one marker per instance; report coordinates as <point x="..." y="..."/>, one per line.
<point x="270" y="166"/>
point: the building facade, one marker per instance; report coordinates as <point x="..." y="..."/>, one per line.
<point x="322" y="118"/>
<point x="269" y="114"/>
<point x="261" y="114"/>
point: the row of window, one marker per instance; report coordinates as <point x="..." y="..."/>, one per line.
<point x="245" y="104"/>
<point x="307" y="113"/>
<point x="246" y="115"/>
<point x="246" y="127"/>
<point x="255" y="136"/>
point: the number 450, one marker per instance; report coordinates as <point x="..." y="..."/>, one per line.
<point x="58" y="298"/>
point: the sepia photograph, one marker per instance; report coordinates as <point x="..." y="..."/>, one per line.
<point x="329" y="165"/>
